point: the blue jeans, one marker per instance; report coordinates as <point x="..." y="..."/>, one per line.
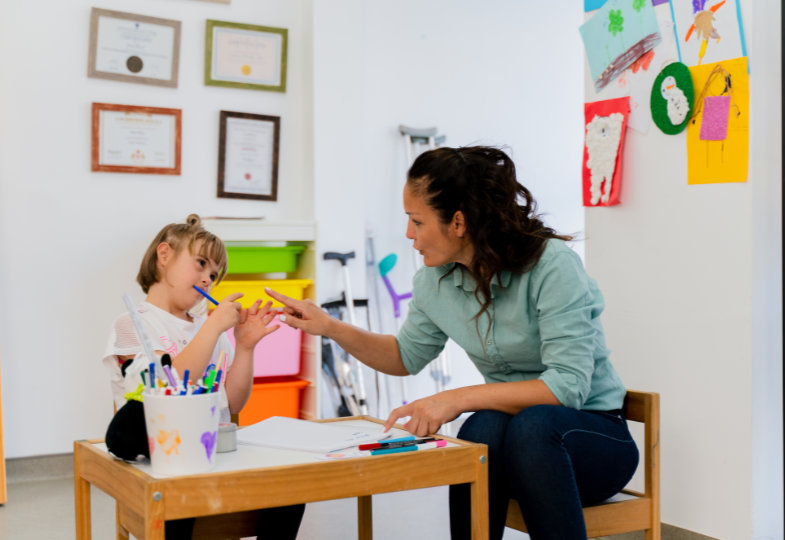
<point x="553" y="460"/>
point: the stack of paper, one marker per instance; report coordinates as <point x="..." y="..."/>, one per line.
<point x="321" y="437"/>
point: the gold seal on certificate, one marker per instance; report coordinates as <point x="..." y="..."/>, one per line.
<point x="133" y="48"/>
<point x="248" y="156"/>
<point x="128" y="138"/>
<point x="245" y="56"/>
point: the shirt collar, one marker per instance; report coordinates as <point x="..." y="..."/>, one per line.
<point x="461" y="278"/>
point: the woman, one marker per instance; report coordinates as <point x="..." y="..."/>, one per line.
<point x="516" y="298"/>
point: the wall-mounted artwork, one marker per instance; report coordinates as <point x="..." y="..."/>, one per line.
<point x="672" y="96"/>
<point x="708" y="30"/>
<point x="718" y="131"/>
<point x="248" y="156"/>
<point x="617" y="35"/>
<point x="133" y="48"/>
<point x="136" y="139"/>
<point x="606" y="124"/>
<point x="245" y="56"/>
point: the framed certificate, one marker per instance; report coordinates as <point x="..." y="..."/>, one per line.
<point x="245" y="56"/>
<point x="133" y="48"/>
<point x="133" y="139"/>
<point x="248" y="156"/>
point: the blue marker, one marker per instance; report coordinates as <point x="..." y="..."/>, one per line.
<point x="152" y="375"/>
<point x="204" y="293"/>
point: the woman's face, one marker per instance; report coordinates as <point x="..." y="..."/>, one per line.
<point x="437" y="242"/>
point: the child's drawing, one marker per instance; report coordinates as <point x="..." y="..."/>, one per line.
<point x="606" y="122"/>
<point x="709" y="30"/>
<point x="619" y="33"/>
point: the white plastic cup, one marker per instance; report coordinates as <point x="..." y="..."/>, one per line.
<point x="182" y="432"/>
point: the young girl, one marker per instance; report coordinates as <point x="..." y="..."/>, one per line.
<point x="181" y="257"/>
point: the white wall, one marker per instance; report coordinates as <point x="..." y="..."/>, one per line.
<point x="692" y="281"/>
<point x="72" y="239"/>
<point x="463" y="67"/>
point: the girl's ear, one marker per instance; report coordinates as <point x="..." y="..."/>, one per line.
<point x="164" y="253"/>
<point x="458" y="224"/>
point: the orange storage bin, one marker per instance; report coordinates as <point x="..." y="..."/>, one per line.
<point x="273" y="397"/>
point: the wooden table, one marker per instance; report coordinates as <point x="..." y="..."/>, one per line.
<point x="257" y="477"/>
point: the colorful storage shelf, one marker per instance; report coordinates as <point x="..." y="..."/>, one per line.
<point x="259" y="258"/>
<point x="254" y="288"/>
<point x="273" y="397"/>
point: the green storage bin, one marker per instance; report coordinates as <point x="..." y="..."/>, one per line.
<point x="261" y="259"/>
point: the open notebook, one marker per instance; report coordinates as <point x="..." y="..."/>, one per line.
<point x="295" y="434"/>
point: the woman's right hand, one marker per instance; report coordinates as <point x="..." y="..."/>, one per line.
<point x="303" y="314"/>
<point x="227" y="313"/>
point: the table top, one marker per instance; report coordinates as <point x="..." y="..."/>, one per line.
<point x="249" y="456"/>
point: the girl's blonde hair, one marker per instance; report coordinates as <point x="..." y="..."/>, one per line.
<point x="179" y="236"/>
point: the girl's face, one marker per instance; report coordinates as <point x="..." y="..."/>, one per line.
<point x="437" y="242"/>
<point x="181" y="271"/>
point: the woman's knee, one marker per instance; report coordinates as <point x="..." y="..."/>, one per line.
<point x="532" y="425"/>
<point x="486" y="427"/>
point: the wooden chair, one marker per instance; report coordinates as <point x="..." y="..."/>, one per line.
<point x="630" y="510"/>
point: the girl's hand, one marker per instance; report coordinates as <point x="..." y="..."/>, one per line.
<point x="303" y="314"/>
<point x="227" y="313"/>
<point x="426" y="415"/>
<point x="252" y="324"/>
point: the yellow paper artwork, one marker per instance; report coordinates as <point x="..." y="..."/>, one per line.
<point x="720" y="161"/>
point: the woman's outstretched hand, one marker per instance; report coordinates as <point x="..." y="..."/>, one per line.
<point x="303" y="314"/>
<point x="427" y="415"/>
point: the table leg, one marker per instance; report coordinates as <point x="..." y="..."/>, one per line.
<point x="154" y="515"/>
<point x="479" y="501"/>
<point x="364" y="518"/>
<point x="81" y="501"/>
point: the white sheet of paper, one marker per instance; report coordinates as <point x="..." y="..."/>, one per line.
<point x="295" y="434"/>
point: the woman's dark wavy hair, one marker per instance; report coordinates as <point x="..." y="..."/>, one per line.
<point x="500" y="213"/>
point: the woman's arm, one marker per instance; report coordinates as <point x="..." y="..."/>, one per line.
<point x="378" y="351"/>
<point x="427" y="415"/>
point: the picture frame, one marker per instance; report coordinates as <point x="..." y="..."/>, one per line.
<point x="247" y="56"/>
<point x="248" y="156"/>
<point x="133" y="48"/>
<point x="136" y="139"/>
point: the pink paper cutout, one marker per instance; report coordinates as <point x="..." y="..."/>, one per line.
<point x="714" y="126"/>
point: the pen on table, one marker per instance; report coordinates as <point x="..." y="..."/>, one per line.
<point x="371" y="446"/>
<point x="204" y="293"/>
<point x="409" y="448"/>
<point x="403" y="441"/>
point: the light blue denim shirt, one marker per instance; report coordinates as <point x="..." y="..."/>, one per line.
<point x="542" y="324"/>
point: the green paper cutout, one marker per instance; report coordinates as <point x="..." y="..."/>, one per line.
<point x="659" y="103"/>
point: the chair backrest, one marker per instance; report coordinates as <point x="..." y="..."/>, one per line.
<point x="644" y="407"/>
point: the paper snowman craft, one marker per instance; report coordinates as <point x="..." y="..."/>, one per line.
<point x="672" y="95"/>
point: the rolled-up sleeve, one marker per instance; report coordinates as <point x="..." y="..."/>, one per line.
<point x="419" y="340"/>
<point x="568" y="307"/>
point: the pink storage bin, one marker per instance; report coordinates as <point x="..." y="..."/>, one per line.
<point x="277" y="354"/>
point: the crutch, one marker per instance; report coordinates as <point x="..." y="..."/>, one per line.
<point x="375" y="323"/>
<point x="418" y="141"/>
<point x="385" y="265"/>
<point x="358" y="384"/>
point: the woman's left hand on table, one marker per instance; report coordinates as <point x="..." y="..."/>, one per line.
<point x="426" y="415"/>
